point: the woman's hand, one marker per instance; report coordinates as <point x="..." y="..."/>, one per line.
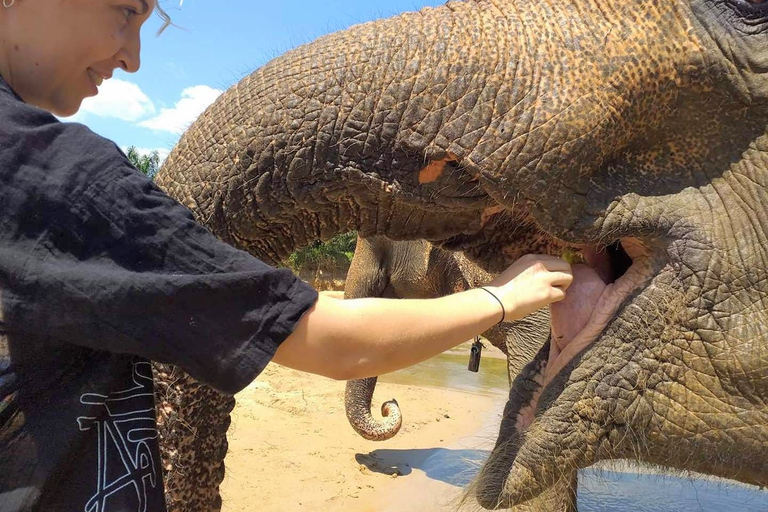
<point x="358" y="338"/>
<point x="530" y="283"/>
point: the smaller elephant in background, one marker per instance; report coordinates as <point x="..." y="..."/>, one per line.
<point x="417" y="269"/>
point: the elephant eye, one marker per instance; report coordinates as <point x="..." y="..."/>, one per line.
<point x="754" y="10"/>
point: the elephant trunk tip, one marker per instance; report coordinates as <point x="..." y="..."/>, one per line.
<point x="391" y="408"/>
<point x="373" y="429"/>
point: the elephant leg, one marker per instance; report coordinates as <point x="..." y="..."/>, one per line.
<point x="192" y="420"/>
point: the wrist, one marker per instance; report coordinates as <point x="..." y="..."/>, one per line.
<point x="493" y="294"/>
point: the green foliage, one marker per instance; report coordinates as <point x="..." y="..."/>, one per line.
<point x="334" y="254"/>
<point x="147" y="164"/>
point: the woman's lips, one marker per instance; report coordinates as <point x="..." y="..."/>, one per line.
<point x="95" y="77"/>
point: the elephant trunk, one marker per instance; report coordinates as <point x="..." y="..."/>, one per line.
<point x="362" y="129"/>
<point x="357" y="403"/>
<point x="192" y="420"/>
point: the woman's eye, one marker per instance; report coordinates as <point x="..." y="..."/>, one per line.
<point x="129" y="12"/>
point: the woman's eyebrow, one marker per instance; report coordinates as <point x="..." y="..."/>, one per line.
<point x="146" y="7"/>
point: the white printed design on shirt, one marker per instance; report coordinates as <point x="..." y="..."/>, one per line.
<point x="125" y="456"/>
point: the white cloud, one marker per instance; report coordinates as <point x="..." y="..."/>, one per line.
<point x="119" y="99"/>
<point x="192" y="103"/>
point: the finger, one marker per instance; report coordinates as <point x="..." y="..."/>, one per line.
<point x="557" y="294"/>
<point x="556" y="265"/>
<point x="560" y="279"/>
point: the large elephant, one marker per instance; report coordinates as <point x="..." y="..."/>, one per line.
<point x="634" y="132"/>
<point x="419" y="270"/>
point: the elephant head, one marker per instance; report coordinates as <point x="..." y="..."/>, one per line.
<point x="385" y="268"/>
<point x="635" y="133"/>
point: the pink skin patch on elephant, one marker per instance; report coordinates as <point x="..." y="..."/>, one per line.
<point x="435" y="169"/>
<point x="590" y="303"/>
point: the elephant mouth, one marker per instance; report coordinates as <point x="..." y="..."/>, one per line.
<point x="605" y="281"/>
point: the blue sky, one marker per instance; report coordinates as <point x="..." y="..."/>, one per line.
<point x="184" y="70"/>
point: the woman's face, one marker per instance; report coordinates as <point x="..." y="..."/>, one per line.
<point x="54" y="53"/>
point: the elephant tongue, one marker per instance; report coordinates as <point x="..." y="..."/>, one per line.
<point x="572" y="314"/>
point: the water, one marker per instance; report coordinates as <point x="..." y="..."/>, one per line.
<point x="603" y="489"/>
<point x="449" y="370"/>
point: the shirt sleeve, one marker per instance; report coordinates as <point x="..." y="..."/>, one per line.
<point x="102" y="258"/>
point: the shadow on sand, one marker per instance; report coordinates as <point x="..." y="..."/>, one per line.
<point x="456" y="467"/>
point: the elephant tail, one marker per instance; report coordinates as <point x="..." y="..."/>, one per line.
<point x="357" y="402"/>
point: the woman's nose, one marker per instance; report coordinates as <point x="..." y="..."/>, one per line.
<point x="129" y="56"/>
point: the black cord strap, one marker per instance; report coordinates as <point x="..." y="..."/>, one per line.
<point x="503" y="311"/>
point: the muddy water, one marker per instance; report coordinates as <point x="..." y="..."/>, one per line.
<point x="617" y="488"/>
<point x="449" y="370"/>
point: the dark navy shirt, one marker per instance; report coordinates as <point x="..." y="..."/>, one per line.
<point x="100" y="272"/>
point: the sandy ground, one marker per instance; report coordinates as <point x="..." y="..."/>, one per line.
<point x="291" y="448"/>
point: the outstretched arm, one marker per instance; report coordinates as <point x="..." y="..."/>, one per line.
<point x="358" y="338"/>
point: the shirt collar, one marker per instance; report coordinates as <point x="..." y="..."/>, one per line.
<point x="6" y="89"/>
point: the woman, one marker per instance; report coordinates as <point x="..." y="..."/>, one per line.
<point x="101" y="272"/>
